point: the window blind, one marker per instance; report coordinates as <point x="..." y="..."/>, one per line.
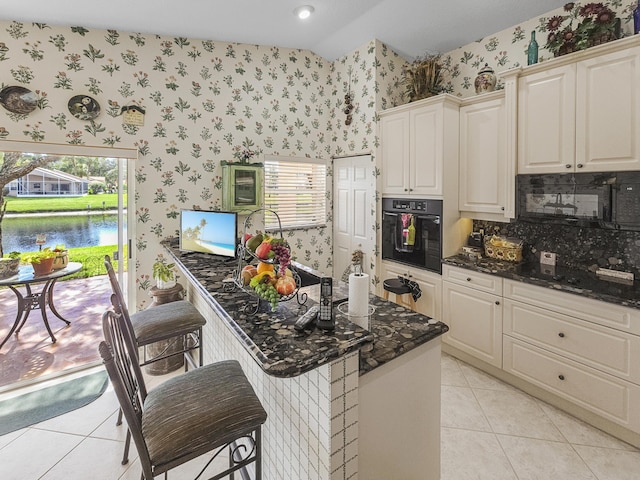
<point x="296" y="190"/>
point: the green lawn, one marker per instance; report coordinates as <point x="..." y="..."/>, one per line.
<point x="107" y="201"/>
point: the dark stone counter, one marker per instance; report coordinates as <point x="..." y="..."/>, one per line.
<point x="570" y="280"/>
<point x="278" y="348"/>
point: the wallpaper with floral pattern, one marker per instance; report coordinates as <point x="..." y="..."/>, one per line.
<point x="204" y="101"/>
<point x="507" y="49"/>
<point x="207" y="101"/>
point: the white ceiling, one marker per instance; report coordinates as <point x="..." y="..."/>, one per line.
<point x="410" y="27"/>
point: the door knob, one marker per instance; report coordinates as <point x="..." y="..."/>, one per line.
<point x="579" y="165"/>
<point x="561" y="377"/>
<point x="497" y="302"/>
<point x="568" y="165"/>
<point x="561" y="335"/>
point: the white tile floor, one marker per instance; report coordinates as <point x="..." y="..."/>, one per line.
<point x="489" y="431"/>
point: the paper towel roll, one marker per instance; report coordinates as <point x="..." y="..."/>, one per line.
<point x="359" y="299"/>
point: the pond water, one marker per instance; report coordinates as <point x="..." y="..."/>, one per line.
<point x="73" y="231"/>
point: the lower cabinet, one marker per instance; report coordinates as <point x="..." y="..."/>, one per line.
<point x="430" y="283"/>
<point x="582" y="350"/>
<point x="604" y="394"/>
<point x="472" y="308"/>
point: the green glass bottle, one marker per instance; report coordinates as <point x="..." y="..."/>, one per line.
<point x="532" y="50"/>
<point x="411" y="238"/>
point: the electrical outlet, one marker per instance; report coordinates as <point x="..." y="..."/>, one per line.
<point x="548" y="258"/>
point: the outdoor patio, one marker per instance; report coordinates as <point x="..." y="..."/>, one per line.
<point x="30" y="354"/>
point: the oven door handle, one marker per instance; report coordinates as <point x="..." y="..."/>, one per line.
<point x="390" y="214"/>
<point x="430" y="218"/>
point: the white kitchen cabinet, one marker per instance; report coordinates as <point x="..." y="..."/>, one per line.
<point x="485" y="181"/>
<point x="546" y="121"/>
<point x="583" y="350"/>
<point x="417" y="143"/>
<point x="430" y="283"/>
<point x="606" y="395"/>
<point x="472" y="308"/>
<point x="580" y="350"/>
<point x="582" y="112"/>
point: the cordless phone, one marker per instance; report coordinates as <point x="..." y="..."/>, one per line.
<point x="325" y="316"/>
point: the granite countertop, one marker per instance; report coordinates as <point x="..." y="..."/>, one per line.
<point x="282" y="351"/>
<point x="574" y="281"/>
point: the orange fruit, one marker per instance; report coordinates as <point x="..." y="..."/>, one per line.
<point x="265" y="267"/>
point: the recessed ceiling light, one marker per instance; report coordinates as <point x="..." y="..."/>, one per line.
<point x="303" y="12"/>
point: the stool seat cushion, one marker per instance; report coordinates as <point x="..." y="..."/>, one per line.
<point x="394" y="285"/>
<point x="174" y="413"/>
<point x="166" y="321"/>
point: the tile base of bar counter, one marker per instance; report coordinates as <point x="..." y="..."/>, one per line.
<point x="323" y="421"/>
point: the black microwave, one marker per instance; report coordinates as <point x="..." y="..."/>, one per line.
<point x="601" y="200"/>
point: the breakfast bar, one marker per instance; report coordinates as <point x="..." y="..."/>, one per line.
<point x="341" y="404"/>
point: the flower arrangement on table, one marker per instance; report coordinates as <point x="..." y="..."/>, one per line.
<point x="583" y="27"/>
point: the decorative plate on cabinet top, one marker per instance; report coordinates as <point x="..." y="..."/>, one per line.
<point x="84" y="107"/>
<point x="18" y="100"/>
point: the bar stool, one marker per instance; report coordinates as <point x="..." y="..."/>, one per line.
<point x="395" y="286"/>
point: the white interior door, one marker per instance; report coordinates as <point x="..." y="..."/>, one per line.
<point x="353" y="211"/>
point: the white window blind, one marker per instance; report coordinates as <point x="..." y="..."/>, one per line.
<point x="296" y="189"/>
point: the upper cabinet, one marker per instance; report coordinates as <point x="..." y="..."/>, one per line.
<point x="486" y="179"/>
<point x="582" y="112"/>
<point x="416" y="142"/>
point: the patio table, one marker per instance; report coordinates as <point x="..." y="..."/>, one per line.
<point x="36" y="300"/>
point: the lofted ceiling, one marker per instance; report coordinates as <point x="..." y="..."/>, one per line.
<point x="337" y="27"/>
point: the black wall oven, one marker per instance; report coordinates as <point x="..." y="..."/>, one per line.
<point x="411" y="232"/>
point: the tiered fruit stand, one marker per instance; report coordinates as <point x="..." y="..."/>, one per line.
<point x="248" y="257"/>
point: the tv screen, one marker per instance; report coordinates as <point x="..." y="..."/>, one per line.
<point x="208" y="232"/>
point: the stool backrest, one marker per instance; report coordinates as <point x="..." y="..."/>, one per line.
<point x="119" y="355"/>
<point x="117" y="299"/>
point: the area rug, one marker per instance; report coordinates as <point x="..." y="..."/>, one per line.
<point x="34" y="407"/>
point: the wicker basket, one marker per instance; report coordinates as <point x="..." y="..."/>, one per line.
<point x="510" y="254"/>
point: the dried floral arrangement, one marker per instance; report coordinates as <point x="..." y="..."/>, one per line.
<point x="582" y="27"/>
<point x="423" y="77"/>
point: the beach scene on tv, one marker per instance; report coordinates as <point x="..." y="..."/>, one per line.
<point x="208" y="232"/>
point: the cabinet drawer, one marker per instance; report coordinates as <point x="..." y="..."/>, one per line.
<point x="469" y="278"/>
<point x="606" y="349"/>
<point x="602" y="313"/>
<point x="591" y="389"/>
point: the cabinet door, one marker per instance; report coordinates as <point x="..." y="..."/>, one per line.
<point x="475" y="322"/>
<point x="546" y="121"/>
<point x="483" y="158"/>
<point x="394" y="147"/>
<point x="427" y="150"/>
<point x="608" y="112"/>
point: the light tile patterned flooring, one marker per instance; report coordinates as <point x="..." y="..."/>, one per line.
<point x="490" y="430"/>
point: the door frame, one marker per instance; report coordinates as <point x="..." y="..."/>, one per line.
<point x="127" y="154"/>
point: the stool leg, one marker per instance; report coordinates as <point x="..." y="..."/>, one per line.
<point x="386" y="295"/>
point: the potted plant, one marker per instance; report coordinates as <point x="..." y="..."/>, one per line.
<point x="61" y="259"/>
<point x="41" y="261"/>
<point x="423" y="78"/>
<point x="164" y="274"/>
<point x="9" y="265"/>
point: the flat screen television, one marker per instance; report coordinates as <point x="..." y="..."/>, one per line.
<point x="207" y="231"/>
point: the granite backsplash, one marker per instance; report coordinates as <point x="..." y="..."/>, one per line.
<point x="576" y="247"/>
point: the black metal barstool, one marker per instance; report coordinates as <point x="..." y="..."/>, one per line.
<point x="397" y="287"/>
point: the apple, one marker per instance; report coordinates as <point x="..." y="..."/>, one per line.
<point x="262" y="252"/>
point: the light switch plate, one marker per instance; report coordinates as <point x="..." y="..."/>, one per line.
<point x="548" y="258"/>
